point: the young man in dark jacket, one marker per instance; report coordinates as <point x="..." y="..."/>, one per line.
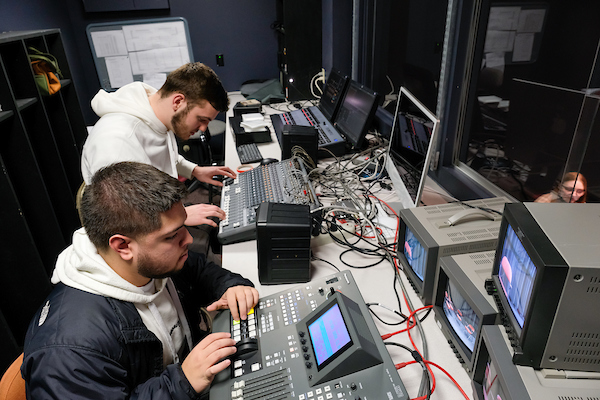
<point x="123" y="319"/>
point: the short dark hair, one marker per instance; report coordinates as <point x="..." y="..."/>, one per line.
<point x="127" y="198"/>
<point x="198" y="83"/>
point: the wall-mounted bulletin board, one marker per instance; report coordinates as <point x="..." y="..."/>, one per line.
<point x="139" y="50"/>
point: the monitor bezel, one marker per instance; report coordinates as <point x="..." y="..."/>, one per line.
<point x="349" y="136"/>
<point x="450" y="271"/>
<point x="492" y="346"/>
<point x="551" y="272"/>
<point x="330" y="112"/>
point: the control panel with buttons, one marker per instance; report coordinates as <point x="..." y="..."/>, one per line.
<point x="316" y="341"/>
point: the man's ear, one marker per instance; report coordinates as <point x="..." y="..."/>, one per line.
<point x="178" y="101"/>
<point x="122" y="245"/>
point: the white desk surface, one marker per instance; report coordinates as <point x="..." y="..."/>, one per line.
<point x="375" y="283"/>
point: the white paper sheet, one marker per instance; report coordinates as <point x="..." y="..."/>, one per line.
<point x="119" y="71"/>
<point x="109" y="43"/>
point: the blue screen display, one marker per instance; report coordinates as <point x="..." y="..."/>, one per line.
<point x="415" y="254"/>
<point x="516" y="274"/>
<point x="461" y="316"/>
<point x="328" y="334"/>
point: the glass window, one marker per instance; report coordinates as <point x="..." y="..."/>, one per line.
<point x="522" y="98"/>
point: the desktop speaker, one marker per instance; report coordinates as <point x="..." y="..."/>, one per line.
<point x="283" y="243"/>
<point x="299" y="135"/>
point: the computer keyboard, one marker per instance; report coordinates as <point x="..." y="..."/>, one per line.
<point x="249" y="153"/>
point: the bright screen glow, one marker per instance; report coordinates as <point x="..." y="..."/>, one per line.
<point x="492" y="389"/>
<point x="461" y="316"/>
<point x="328" y="334"/>
<point x="415" y="254"/>
<point x="516" y="274"/>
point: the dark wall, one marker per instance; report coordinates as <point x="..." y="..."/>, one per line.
<point x="240" y="30"/>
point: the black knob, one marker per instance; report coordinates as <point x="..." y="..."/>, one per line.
<point x="301" y="333"/>
<point x="307" y="356"/>
<point x="304" y="349"/>
<point x="308" y="364"/>
<point x="353" y="386"/>
<point x="303" y="341"/>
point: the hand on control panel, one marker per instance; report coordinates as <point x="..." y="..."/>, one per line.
<point x="202" y="364"/>
<point x="239" y="300"/>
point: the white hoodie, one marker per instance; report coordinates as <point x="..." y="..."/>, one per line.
<point x="81" y="267"/>
<point x="128" y="130"/>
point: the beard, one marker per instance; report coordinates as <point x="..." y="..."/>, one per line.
<point x="152" y="269"/>
<point x="178" y="123"/>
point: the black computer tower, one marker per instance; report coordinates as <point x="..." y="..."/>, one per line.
<point x="283" y="243"/>
<point x="299" y="46"/>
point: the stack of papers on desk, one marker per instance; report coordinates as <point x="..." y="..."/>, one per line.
<point x="253" y="122"/>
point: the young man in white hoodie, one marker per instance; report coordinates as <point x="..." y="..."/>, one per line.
<point x="139" y="123"/>
<point x="123" y="319"/>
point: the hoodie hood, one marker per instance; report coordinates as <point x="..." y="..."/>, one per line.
<point x="81" y="267"/>
<point x="131" y="99"/>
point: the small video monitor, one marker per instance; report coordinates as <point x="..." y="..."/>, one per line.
<point x="336" y="340"/>
<point x="546" y="265"/>
<point x="427" y="233"/>
<point x="496" y="377"/>
<point x="461" y="304"/>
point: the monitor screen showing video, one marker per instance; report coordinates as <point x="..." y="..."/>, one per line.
<point x="415" y="253"/>
<point x="516" y="274"/>
<point x="460" y="315"/>
<point x="329" y="335"/>
<point x="492" y="388"/>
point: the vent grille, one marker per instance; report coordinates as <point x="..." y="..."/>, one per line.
<point x="594" y="285"/>
<point x="583" y="349"/>
<point x="577" y="398"/>
<point x="483" y="258"/>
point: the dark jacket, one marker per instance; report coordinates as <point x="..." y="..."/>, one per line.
<point x="95" y="347"/>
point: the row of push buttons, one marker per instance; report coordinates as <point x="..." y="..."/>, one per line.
<point x="244" y="328"/>
<point x="289" y="307"/>
<point x="318" y="394"/>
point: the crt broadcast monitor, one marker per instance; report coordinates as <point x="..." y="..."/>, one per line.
<point x="428" y="233"/>
<point x="496" y="377"/>
<point x="412" y="140"/>
<point x="356" y="113"/>
<point x="547" y="278"/>
<point x="461" y="303"/>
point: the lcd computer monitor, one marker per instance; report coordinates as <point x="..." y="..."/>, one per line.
<point x="414" y="132"/>
<point x="461" y="304"/>
<point x="496" y="377"/>
<point x="335" y="87"/>
<point x="428" y="233"/>
<point x="356" y="113"/>
<point x="547" y="279"/>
